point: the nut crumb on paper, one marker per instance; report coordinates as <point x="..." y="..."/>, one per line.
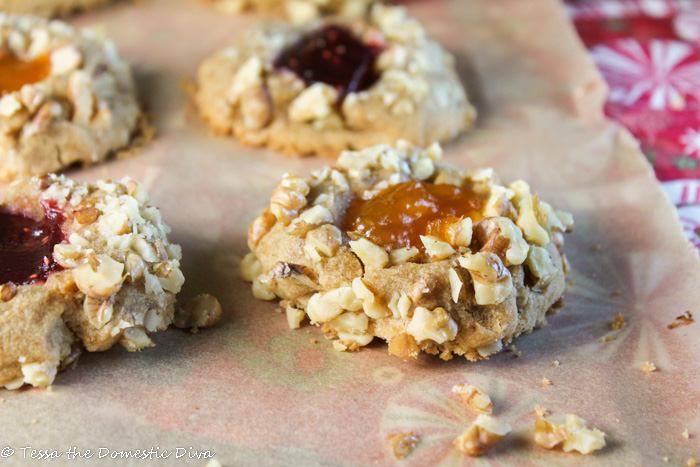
<point x="34" y="421"/>
<point x="474" y="397"/>
<point x="682" y="320"/>
<point x="648" y="367"/>
<point x="555" y="363"/>
<point x="618" y="322"/>
<point x="545" y="382"/>
<point x="482" y="435"/>
<point x="617" y="293"/>
<point x="573" y="435"/>
<point x="606" y="339"/>
<point x="541" y="411"/>
<point x="691" y="462"/>
<point x="312" y="341"/>
<point x="685" y="434"/>
<point x="665" y="459"/>
<point x="402" y="444"/>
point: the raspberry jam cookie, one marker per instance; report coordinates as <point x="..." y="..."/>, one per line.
<point x="334" y="85"/>
<point x="48" y="8"/>
<point x="65" y="97"/>
<point x="81" y="266"/>
<point x="391" y="243"/>
<point x="297" y="11"/>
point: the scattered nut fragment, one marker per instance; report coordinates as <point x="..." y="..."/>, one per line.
<point x="606" y="339"/>
<point x="484" y="433"/>
<point x="402" y="444"/>
<point x="198" y="312"/>
<point x="541" y="411"/>
<point x="618" y="322"/>
<point x="648" y="367"/>
<point x="555" y="363"/>
<point x="545" y="382"/>
<point x="475" y="398"/>
<point x="682" y="320"/>
<point x="685" y="434"/>
<point x="571" y="435"/>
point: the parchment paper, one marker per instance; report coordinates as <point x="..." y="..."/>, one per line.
<point x="254" y="392"/>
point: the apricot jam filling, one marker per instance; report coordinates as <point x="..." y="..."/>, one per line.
<point x="15" y="72"/>
<point x="333" y="55"/>
<point x="26" y="245"/>
<point x="397" y="216"/>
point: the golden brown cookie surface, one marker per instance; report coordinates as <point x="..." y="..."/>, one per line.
<point x="110" y="277"/>
<point x="425" y="273"/>
<point x="290" y="87"/>
<point x="65" y="97"/>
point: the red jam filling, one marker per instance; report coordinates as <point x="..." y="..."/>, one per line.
<point x="397" y="216"/>
<point x="26" y="245"/>
<point x="333" y="55"/>
<point x="15" y="72"/>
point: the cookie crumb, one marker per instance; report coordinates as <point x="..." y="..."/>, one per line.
<point x="402" y="444"/>
<point x="685" y="434"/>
<point x="617" y="293"/>
<point x="213" y="463"/>
<point x="312" y="341"/>
<point x="34" y="421"/>
<point x="541" y="411"/>
<point x="597" y="247"/>
<point x="648" y="367"/>
<point x="2" y="400"/>
<point x="682" y="320"/>
<point x="691" y="462"/>
<point x="555" y="363"/>
<point x="665" y="459"/>
<point x="339" y="346"/>
<point x="618" y="322"/>
<point x="545" y="382"/>
<point x="517" y="354"/>
<point x="606" y="339"/>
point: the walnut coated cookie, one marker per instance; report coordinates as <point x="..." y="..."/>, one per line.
<point x="334" y="84"/>
<point x="65" y="97"/>
<point x="82" y="265"/>
<point x="392" y="243"/>
<point x="297" y="11"/>
<point x="48" y="8"/>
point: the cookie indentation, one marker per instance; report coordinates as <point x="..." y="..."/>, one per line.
<point x="26" y="246"/>
<point x="333" y="55"/>
<point x="398" y="216"/>
<point x="15" y="72"/>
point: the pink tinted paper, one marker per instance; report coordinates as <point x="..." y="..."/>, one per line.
<point x="257" y="393"/>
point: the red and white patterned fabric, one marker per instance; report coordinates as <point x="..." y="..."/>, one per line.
<point x="648" y="51"/>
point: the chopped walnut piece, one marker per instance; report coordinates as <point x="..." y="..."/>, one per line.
<point x="484" y="433"/>
<point x="648" y="367"/>
<point x="475" y="398"/>
<point x="402" y="444"/>
<point x="198" y="312"/>
<point x="7" y="291"/>
<point x="682" y="320"/>
<point x="571" y="435"/>
<point x="618" y="322"/>
<point x="545" y="382"/>
<point x="404" y="346"/>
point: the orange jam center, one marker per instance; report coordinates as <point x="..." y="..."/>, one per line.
<point x="15" y="72"/>
<point x="397" y="216"/>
